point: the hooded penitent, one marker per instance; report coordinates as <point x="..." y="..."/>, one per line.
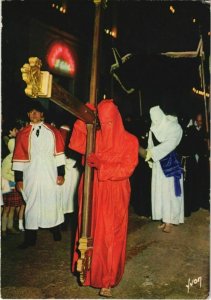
<point x="117" y="152"/>
<point x="161" y="127"/>
<point x="167" y="192"/>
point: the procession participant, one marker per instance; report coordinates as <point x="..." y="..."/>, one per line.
<point x="166" y="186"/>
<point x="198" y="142"/>
<point x="38" y="163"/>
<point x="114" y="160"/>
<point x="72" y="176"/>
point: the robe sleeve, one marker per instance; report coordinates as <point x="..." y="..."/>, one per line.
<point x="124" y="167"/>
<point x="78" y="137"/>
<point x="18" y="166"/>
<point x="60" y="160"/>
<point x="168" y="145"/>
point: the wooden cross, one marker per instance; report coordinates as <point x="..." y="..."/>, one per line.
<point x="41" y="84"/>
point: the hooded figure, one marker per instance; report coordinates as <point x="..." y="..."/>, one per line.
<point x="167" y="187"/>
<point x="114" y="160"/>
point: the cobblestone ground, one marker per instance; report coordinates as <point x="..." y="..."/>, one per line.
<point x="159" y="265"/>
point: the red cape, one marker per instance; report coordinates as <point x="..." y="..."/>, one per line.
<point x="22" y="145"/>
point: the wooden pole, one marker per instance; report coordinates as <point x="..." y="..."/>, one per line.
<point x="85" y="241"/>
<point x="204" y="91"/>
<point x="88" y="174"/>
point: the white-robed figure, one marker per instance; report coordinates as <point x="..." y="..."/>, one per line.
<point x="167" y="182"/>
<point x="72" y="175"/>
<point x="38" y="162"/>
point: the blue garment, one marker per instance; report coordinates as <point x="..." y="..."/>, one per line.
<point x="12" y="184"/>
<point x="171" y="166"/>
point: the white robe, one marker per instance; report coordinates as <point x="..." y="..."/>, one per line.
<point x="70" y="186"/>
<point x="41" y="192"/>
<point x="165" y="205"/>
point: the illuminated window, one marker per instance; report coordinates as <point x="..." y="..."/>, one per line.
<point x="61" y="59"/>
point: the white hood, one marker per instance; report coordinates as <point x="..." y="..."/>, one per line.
<point x="161" y="123"/>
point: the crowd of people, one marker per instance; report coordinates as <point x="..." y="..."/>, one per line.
<point x="162" y="170"/>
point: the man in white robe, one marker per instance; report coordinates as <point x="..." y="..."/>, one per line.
<point x="38" y="163"/>
<point x="164" y="136"/>
<point x="69" y="189"/>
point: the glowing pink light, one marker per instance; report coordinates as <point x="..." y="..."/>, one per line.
<point x="61" y="52"/>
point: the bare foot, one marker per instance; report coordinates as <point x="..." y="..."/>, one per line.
<point x="105" y="292"/>
<point x="167" y="228"/>
<point x="162" y="226"/>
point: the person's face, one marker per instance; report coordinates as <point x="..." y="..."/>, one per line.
<point x="35" y="116"/>
<point x="199" y="121"/>
<point x="13" y="132"/>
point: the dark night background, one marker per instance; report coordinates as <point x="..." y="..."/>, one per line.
<point x="144" y="28"/>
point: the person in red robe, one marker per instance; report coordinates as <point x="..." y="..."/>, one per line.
<point x="114" y="160"/>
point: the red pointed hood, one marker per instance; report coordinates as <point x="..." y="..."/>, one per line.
<point x="112" y="130"/>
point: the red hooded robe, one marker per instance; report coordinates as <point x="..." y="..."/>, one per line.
<point x="117" y="151"/>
